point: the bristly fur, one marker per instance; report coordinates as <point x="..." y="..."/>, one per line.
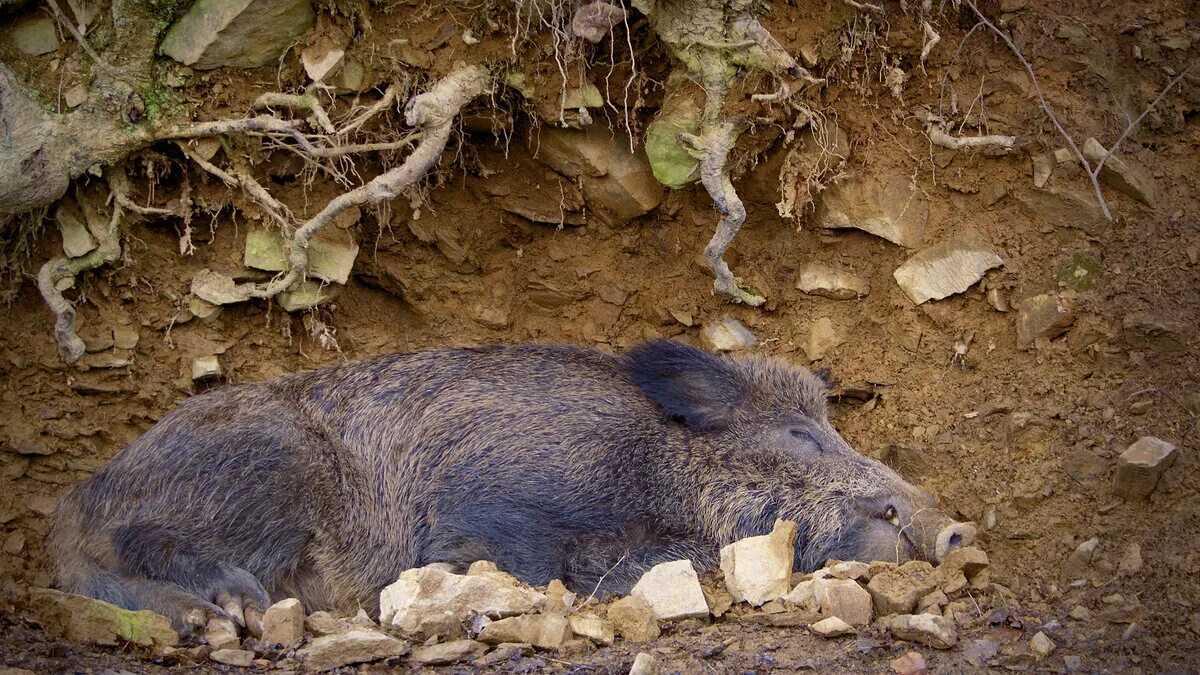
<point x="552" y="461"/>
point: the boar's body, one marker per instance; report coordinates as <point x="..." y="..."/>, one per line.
<point x="555" y="462"/>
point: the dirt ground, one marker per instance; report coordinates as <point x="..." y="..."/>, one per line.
<point x="1022" y="441"/>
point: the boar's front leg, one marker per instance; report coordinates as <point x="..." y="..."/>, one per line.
<point x="612" y="564"/>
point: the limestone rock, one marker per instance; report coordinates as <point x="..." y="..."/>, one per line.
<point x="945" y="269"/>
<point x="324" y="623"/>
<point x="818" y="279"/>
<point x="844" y="599"/>
<point x="86" y="621"/>
<point x="236" y="33"/>
<point x="831" y="627"/>
<point x="222" y="634"/>
<point x="1140" y="467"/>
<point x="125" y="337"/>
<point x="321" y="59"/>
<point x="672" y="589"/>
<point x="822" y="336"/>
<point x="1041" y="645"/>
<point x="233" y="657"/>
<point x="727" y="335"/>
<point x="896" y="590"/>
<point x="911" y="663"/>
<point x="633" y="619"/>
<point x="35" y="36"/>
<point x="1077" y="564"/>
<point x="850" y="569"/>
<point x="594" y="628"/>
<point x="1046" y="315"/>
<point x="618" y="184"/>
<point x="718" y="598"/>
<point x="331" y="253"/>
<point x="894" y="209"/>
<point x="77" y="239"/>
<point x="283" y="623"/>
<point x="75" y="96"/>
<point x="1043" y="165"/>
<point x="758" y="569"/>
<point x="306" y="295"/>
<point x="445" y="653"/>
<point x="428" y="600"/>
<point x="1057" y="208"/>
<point x="558" y="598"/>
<point x="205" y="367"/>
<point x="356" y="646"/>
<point x="644" y="664"/>
<point x="1126" y="178"/>
<point x="544" y="631"/>
<point x="927" y="629"/>
<point x="214" y="287"/>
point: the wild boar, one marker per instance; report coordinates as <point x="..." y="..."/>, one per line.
<point x="553" y="461"/>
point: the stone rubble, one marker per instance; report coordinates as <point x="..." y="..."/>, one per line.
<point x="283" y="624"/>
<point x="896" y="210"/>
<point x="1043" y="316"/>
<point x="236" y="33"/>
<point x="429" y="600"/>
<point x="644" y="664"/>
<point x="633" y="619"/>
<point x="727" y="335"/>
<point x="1128" y="179"/>
<point x="1141" y="466"/>
<point x="758" y="569"/>
<point x="355" y="646"/>
<point x="931" y="630"/>
<point x="945" y="269"/>
<point x="88" y="621"/>
<point x="897" y="590"/>
<point x="672" y="589"/>
<point x="829" y="282"/>
<point x="445" y="653"/>
<point x="831" y="627"/>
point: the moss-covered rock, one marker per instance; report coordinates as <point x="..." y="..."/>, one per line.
<point x="87" y="621"/>
<point x="670" y="160"/>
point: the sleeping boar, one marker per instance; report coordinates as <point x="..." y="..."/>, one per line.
<point x="555" y="462"/>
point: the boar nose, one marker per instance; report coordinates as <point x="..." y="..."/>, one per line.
<point x="936" y="534"/>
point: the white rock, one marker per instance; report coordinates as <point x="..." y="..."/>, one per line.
<point x="945" y="269"/>
<point x="431" y="601"/>
<point x="283" y="623"/>
<point x="844" y="599"/>
<point x="544" y="631"/>
<point x="77" y="240"/>
<point x="644" y="664"/>
<point x="1043" y="165"/>
<point x="928" y="629"/>
<point x="1041" y="645"/>
<point x="672" y="589"/>
<point x="727" y="335"/>
<point x="850" y="569"/>
<point x="233" y="657"/>
<point x="1141" y="465"/>
<point x="1124" y="177"/>
<point x="593" y="628"/>
<point x="355" y="646"/>
<point x="831" y="627"/>
<point x="445" y="653"/>
<point x="205" y="367"/>
<point x="758" y="569"/>
<point x="321" y="60"/>
<point x="895" y="209"/>
<point x="829" y="282"/>
<point x="222" y="634"/>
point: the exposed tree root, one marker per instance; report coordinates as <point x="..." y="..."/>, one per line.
<point x="433" y="113"/>
<point x="108" y="249"/>
<point x="713" y="39"/>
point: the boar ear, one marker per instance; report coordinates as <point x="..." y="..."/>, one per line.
<point x="825" y="375"/>
<point x="699" y="389"/>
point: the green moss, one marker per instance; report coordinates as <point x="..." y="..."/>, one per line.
<point x="1081" y="273"/>
<point x="670" y="160"/>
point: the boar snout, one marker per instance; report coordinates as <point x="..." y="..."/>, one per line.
<point x="936" y="534"/>
<point x="913" y="518"/>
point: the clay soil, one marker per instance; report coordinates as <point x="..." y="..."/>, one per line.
<point x="1023" y="441"/>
